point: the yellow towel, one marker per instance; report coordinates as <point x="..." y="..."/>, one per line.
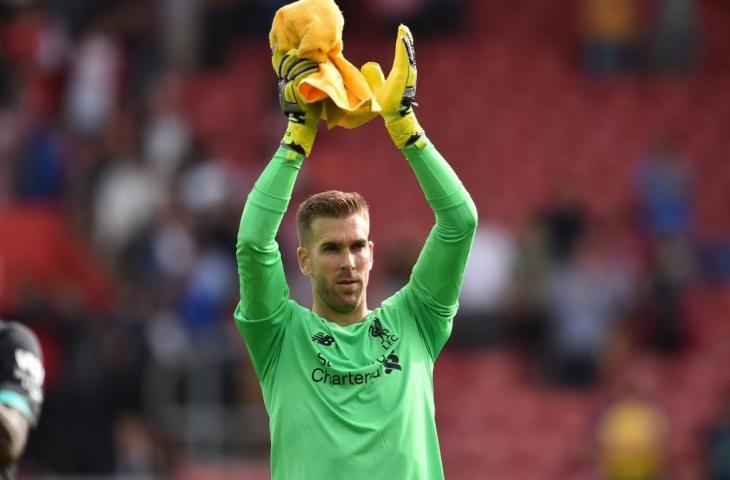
<point x="314" y="27"/>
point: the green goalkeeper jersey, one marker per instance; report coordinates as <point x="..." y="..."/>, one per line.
<point x="353" y="402"/>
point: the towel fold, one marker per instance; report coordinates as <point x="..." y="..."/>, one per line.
<point x="314" y="28"/>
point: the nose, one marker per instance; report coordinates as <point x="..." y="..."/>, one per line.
<point x="348" y="261"/>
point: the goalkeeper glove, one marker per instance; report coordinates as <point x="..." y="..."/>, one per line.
<point x="303" y="117"/>
<point x="397" y="94"/>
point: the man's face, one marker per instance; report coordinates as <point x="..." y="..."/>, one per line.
<point x="337" y="257"/>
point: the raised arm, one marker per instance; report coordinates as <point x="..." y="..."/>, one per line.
<point x="262" y="281"/>
<point x="433" y="290"/>
<point x="438" y="273"/>
<point x="261" y="314"/>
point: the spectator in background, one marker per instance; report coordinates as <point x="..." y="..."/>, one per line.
<point x="675" y="37"/>
<point x="167" y="135"/>
<point x="172" y="245"/>
<point x="77" y="397"/>
<point x="529" y="322"/>
<point x="181" y="33"/>
<point x="205" y="185"/>
<point x="206" y="188"/>
<point x="632" y="435"/>
<point x="585" y="299"/>
<point x="550" y="243"/>
<point x="664" y="190"/>
<point x="564" y="224"/>
<point x="205" y="299"/>
<point x="38" y="166"/>
<point x="127" y="196"/>
<point x="487" y="278"/>
<point x="610" y="30"/>
<point x="138" y="34"/>
<point x="717" y="443"/>
<point x="549" y="246"/>
<point x="34" y="47"/>
<point x="126" y="355"/>
<point x="95" y="79"/>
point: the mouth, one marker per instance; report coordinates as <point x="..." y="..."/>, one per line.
<point x="347" y="281"/>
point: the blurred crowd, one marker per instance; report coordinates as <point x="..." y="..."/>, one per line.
<point x="92" y="129"/>
<point x="563" y="287"/>
<point x="150" y="372"/>
<point x="636" y="36"/>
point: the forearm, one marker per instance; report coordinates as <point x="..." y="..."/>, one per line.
<point x="261" y="274"/>
<point x="439" y="270"/>
<point x="13" y="435"/>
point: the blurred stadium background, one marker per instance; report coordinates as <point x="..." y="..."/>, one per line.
<point x="594" y="135"/>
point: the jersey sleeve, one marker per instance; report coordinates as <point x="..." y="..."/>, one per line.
<point x="21" y="370"/>
<point x="264" y="308"/>
<point x="433" y="289"/>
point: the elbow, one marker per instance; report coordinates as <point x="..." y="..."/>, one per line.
<point x="249" y="235"/>
<point x="243" y="242"/>
<point x="242" y="245"/>
<point x="461" y="225"/>
<point x="249" y="245"/>
<point x="247" y="240"/>
<point x="470" y="217"/>
<point x="246" y="247"/>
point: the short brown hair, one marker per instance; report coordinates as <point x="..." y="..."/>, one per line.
<point x="329" y="204"/>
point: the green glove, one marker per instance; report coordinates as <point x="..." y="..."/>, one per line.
<point x="303" y="117"/>
<point x="397" y="94"/>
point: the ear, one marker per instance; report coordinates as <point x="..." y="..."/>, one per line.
<point x="305" y="261"/>
<point x="371" y="246"/>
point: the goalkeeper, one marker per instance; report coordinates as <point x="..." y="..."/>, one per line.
<point x="349" y="390"/>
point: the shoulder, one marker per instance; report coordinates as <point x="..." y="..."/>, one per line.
<point x="300" y="317"/>
<point x="14" y="334"/>
<point x="410" y="301"/>
<point x="19" y="346"/>
<point x="21" y="370"/>
<point x="396" y="302"/>
<point x="299" y="313"/>
<point x="396" y="309"/>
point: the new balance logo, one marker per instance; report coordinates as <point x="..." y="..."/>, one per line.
<point x="392" y="362"/>
<point x="323" y="339"/>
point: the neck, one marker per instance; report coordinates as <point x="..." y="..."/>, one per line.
<point x="342" y="319"/>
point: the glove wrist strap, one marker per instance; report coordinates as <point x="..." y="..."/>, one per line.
<point x="299" y="137"/>
<point x="404" y="130"/>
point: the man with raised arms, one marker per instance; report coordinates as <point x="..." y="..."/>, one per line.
<point x="349" y="390"/>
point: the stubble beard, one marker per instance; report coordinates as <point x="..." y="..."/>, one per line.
<point x="330" y="298"/>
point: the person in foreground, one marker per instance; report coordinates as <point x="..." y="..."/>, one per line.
<point x="349" y="390"/>
<point x="21" y="392"/>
